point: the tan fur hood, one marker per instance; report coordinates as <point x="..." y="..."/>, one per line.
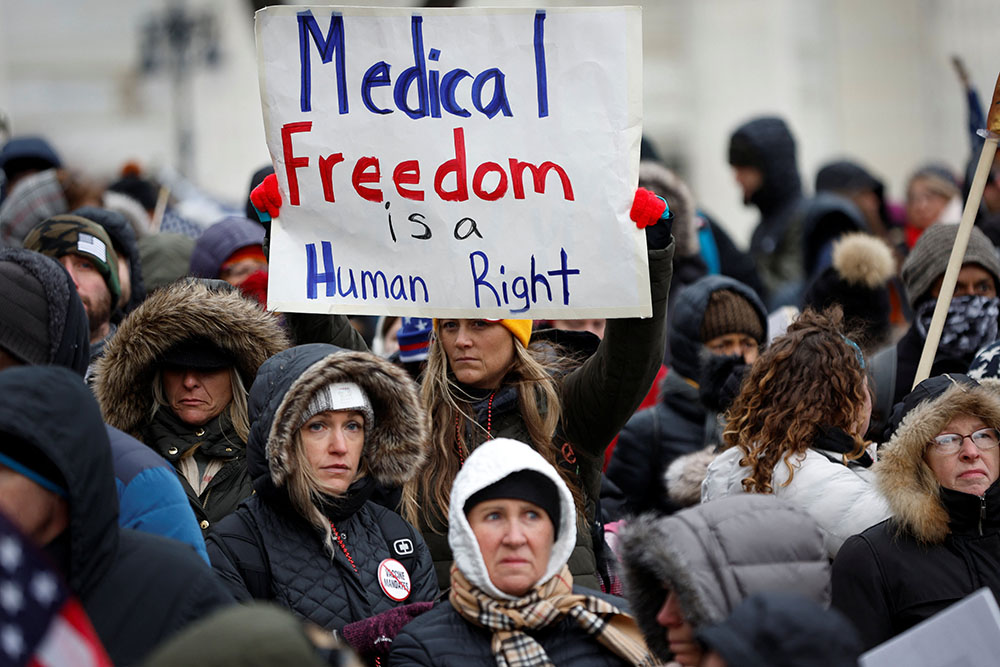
<point x="905" y="480"/>
<point x="181" y="310"/>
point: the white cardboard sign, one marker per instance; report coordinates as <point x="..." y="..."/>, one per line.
<point x="454" y="162"/>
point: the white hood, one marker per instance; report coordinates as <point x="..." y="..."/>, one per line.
<point x="489" y="463"/>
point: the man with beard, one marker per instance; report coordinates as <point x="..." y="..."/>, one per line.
<point x="85" y="251"/>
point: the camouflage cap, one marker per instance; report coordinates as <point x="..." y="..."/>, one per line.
<point x="73" y="234"/>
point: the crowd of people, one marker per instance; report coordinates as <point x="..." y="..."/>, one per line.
<point x="743" y="478"/>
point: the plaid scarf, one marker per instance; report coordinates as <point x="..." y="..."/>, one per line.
<point x="33" y="199"/>
<point x="543" y="606"/>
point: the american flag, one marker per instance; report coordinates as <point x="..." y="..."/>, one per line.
<point x="41" y="623"/>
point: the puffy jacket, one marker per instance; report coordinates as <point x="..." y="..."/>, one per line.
<point x="940" y="546"/>
<point x="266" y="535"/>
<point x="123" y="379"/>
<point x="653" y="438"/>
<point x="842" y="499"/>
<point x="716" y="554"/>
<point x="597" y="399"/>
<point x="138" y="589"/>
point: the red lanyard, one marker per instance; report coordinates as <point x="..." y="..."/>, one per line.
<point x="489" y="431"/>
<point x="343" y="547"/>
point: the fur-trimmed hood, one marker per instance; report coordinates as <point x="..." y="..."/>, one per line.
<point x="490" y="463"/>
<point x="184" y="309"/>
<point x="716" y="554"/>
<point x="396" y="446"/>
<point x="906" y="481"/>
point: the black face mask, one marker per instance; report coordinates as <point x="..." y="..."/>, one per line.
<point x="971" y="324"/>
<point x="721" y="377"/>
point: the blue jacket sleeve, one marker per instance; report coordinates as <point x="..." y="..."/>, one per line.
<point x="154" y="502"/>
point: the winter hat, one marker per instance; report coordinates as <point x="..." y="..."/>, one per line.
<point x="32" y="199"/>
<point x="220" y="241"/>
<point x="775" y="629"/>
<point x="928" y="259"/>
<point x="520" y="329"/>
<point x="938" y="179"/>
<point x="197" y="352"/>
<point x="340" y="396"/>
<point x="665" y="183"/>
<point x="133" y="185"/>
<point x="27" y="153"/>
<point x="728" y="313"/>
<point x="857" y="280"/>
<point x="414" y="338"/>
<point x="847" y="177"/>
<point x="528" y="485"/>
<point x="123" y="240"/>
<point x="55" y="331"/>
<point x="74" y="234"/>
<point x="25" y="459"/>
<point x="927" y="390"/>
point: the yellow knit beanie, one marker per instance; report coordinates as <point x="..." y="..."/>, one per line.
<point x="521" y="329"/>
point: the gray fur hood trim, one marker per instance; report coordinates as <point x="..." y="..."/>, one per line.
<point x="906" y="481"/>
<point x="396" y="446"/>
<point x="178" y="311"/>
<point x="716" y="554"/>
<point x="667" y="184"/>
<point x="684" y="476"/>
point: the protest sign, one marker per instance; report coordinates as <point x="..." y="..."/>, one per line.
<point x="967" y="633"/>
<point x="454" y="162"/>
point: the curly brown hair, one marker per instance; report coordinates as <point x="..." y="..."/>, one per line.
<point x="811" y="378"/>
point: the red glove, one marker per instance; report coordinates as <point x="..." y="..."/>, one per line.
<point x="646" y="208"/>
<point x="266" y="198"/>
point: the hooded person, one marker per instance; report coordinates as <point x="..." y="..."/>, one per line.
<point x="971" y="323"/>
<point x="328" y="425"/>
<point x="119" y="230"/>
<point x="512" y="527"/>
<point x="774" y="629"/>
<point x="165" y="258"/>
<point x="691" y="569"/>
<point x="762" y="154"/>
<point x="175" y="377"/>
<point x="713" y="319"/>
<point x="231" y="249"/>
<point x="938" y="473"/>
<point x="42" y="322"/>
<point x="58" y="486"/>
<point x="857" y="280"/>
<point x="932" y="197"/>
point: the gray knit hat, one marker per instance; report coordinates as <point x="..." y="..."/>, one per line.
<point x="929" y="258"/>
<point x="24" y="329"/>
<point x="341" y="396"/>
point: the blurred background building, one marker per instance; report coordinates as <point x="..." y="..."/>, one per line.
<point x="868" y="79"/>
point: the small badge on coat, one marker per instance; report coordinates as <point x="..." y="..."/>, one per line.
<point x="394" y="579"/>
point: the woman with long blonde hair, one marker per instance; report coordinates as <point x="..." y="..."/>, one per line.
<point x="797" y="428"/>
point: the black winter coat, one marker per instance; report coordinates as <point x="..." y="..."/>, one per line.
<point x="442" y="638"/>
<point x="138" y="589"/>
<point x="886" y="581"/>
<point x="653" y="438"/>
<point x="267" y="540"/>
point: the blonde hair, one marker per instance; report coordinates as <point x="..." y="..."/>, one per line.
<point x="426" y="497"/>
<point x="238" y="411"/>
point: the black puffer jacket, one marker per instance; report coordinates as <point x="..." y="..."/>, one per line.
<point x="442" y="638"/>
<point x="776" y="243"/>
<point x="940" y="546"/>
<point x="675" y="426"/>
<point x="138" y="589"/>
<point x="267" y="550"/>
<point x="124" y="380"/>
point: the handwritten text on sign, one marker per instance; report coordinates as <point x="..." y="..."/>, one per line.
<point x="454" y="163"/>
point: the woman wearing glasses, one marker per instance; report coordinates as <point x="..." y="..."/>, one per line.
<point x="938" y="473"/>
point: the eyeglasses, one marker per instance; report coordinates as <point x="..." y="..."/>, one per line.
<point x="983" y="439"/>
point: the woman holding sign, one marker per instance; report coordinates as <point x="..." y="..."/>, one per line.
<point x="327" y="426"/>
<point x="490" y="378"/>
<point x="487" y="379"/>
